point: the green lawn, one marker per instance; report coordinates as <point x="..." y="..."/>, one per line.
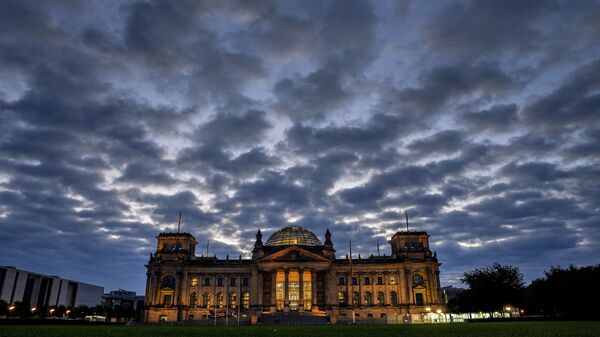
<point x="505" y="329"/>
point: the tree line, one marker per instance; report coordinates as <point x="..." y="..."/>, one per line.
<point x="563" y="293"/>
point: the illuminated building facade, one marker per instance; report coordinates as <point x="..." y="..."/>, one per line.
<point x="293" y="273"/>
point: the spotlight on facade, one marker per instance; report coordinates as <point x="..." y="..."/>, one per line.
<point x="428" y="309"/>
<point x="439" y="311"/>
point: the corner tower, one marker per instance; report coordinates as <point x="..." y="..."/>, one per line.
<point x="172" y="245"/>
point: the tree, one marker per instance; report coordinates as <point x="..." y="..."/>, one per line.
<point x="3" y="308"/>
<point x="566" y="293"/>
<point x="491" y="288"/>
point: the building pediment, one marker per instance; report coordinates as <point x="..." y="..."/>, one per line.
<point x="294" y="254"/>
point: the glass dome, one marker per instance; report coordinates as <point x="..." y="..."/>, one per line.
<point x="293" y="236"/>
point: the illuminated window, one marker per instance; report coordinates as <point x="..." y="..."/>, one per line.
<point x="245" y="300"/>
<point x="233" y="300"/>
<point x="279" y="290"/>
<point x="356" y="299"/>
<point x="220" y="300"/>
<point x="392" y="279"/>
<point x="369" y="298"/>
<point x="307" y="278"/>
<point x="193" y="300"/>
<point x="194" y="281"/>
<point x="294" y="290"/>
<point x="206" y="300"/>
<point x="342" y="298"/>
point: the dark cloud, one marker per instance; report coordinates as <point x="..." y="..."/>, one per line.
<point x="574" y="104"/>
<point x="446" y="83"/>
<point x="478" y="118"/>
<point x="498" y="117"/>
<point x="443" y="142"/>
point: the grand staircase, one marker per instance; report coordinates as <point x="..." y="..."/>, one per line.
<point x="294" y="318"/>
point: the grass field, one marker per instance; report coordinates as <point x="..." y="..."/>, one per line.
<point x="503" y="329"/>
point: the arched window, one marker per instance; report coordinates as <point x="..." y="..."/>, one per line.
<point x="394" y="298"/>
<point x="220" y="300"/>
<point x="245" y="300"/>
<point x="417" y="279"/>
<point x="380" y="298"/>
<point x="356" y="299"/>
<point x="342" y="298"/>
<point x="193" y="300"/>
<point x="168" y="282"/>
<point x="233" y="300"/>
<point x="369" y="298"/>
<point x="206" y="300"/>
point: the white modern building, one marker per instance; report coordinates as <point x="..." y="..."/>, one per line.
<point x="18" y="285"/>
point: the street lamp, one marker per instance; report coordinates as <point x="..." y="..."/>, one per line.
<point x="52" y="311"/>
<point x="33" y="309"/>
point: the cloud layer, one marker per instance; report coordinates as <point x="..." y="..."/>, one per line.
<point x="481" y="119"/>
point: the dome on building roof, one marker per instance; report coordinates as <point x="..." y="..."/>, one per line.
<point x="293" y="236"/>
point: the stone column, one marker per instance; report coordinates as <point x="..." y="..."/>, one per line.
<point x="301" y="280"/>
<point x="387" y="297"/>
<point x="157" y="298"/>
<point x="373" y="292"/>
<point x="257" y="286"/>
<point x="150" y="289"/>
<point x="360" y="290"/>
<point x="286" y="287"/>
<point x="185" y="293"/>
<point x="274" y="289"/>
<point x="430" y="298"/>
<point x="239" y="292"/>
<point x="349" y="298"/>
<point x="402" y="286"/>
<point x="214" y="290"/>
<point x="438" y="288"/>
<point x="313" y="281"/>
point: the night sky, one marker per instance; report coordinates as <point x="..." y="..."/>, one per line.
<point x="481" y="119"/>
